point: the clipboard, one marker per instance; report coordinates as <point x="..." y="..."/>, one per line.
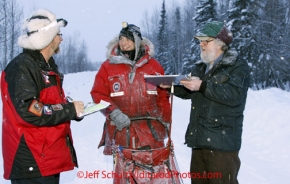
<point x="164" y="79"/>
<point x="93" y="107"/>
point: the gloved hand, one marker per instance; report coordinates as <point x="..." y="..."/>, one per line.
<point x="120" y="119"/>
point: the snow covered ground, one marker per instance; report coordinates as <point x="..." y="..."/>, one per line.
<point x="265" y="148"/>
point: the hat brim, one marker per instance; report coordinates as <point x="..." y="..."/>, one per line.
<point x="203" y="38"/>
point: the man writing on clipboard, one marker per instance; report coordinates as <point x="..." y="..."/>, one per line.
<point x="218" y="101"/>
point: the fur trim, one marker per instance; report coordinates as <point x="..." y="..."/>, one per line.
<point x="114" y="43"/>
<point x="230" y="57"/>
<point x="44" y="35"/>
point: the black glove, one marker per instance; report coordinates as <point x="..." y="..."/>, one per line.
<point x="120" y="119"/>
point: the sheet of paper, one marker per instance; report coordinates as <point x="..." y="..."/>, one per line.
<point x="93" y="107"/>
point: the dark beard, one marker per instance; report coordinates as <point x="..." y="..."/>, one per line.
<point x="57" y="50"/>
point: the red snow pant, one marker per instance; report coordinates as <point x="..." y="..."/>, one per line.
<point x="146" y="167"/>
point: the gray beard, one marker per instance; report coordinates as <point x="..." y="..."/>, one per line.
<point x="205" y="59"/>
<point x="209" y="58"/>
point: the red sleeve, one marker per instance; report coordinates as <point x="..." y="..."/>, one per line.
<point x="101" y="90"/>
<point x="163" y="104"/>
<point x="163" y="99"/>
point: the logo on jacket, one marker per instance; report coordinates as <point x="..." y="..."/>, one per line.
<point x="46" y="78"/>
<point x="57" y="107"/>
<point x="47" y="110"/>
<point x="36" y="108"/>
<point x="116" y="86"/>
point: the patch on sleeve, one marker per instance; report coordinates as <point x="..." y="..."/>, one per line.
<point x="47" y="110"/>
<point x="57" y="107"/>
<point x="36" y="108"/>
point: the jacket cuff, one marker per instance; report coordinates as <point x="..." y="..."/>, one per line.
<point x="72" y="111"/>
<point x="107" y="111"/>
<point x="202" y="87"/>
<point x="168" y="90"/>
<point x="74" y="114"/>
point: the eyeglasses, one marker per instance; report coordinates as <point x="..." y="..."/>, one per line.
<point x="205" y="42"/>
<point x="60" y="35"/>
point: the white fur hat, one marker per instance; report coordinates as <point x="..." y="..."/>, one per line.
<point x="40" y="29"/>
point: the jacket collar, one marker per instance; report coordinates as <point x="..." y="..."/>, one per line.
<point x="37" y="56"/>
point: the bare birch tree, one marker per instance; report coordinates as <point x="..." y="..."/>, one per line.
<point x="10" y="15"/>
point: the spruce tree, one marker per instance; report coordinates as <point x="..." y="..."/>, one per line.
<point x="271" y="69"/>
<point x="242" y="20"/>
<point x="175" y="44"/>
<point x="205" y="12"/>
<point x="162" y="40"/>
<point x="188" y="32"/>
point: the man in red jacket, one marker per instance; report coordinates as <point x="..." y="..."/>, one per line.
<point x="121" y="82"/>
<point x="36" y="137"/>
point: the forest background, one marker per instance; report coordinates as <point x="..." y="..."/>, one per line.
<point x="261" y="30"/>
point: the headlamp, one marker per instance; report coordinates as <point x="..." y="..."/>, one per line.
<point x="124" y="24"/>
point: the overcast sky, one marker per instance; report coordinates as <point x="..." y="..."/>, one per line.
<point x="97" y="21"/>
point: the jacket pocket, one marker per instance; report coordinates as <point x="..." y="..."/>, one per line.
<point x="217" y="79"/>
<point x="149" y="88"/>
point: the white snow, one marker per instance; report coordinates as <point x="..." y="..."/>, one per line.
<point x="265" y="148"/>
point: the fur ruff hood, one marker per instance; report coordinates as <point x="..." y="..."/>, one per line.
<point x="112" y="48"/>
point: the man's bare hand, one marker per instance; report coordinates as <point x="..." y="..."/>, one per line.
<point x="79" y="106"/>
<point x="192" y="85"/>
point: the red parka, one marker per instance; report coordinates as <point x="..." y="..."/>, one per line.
<point x="121" y="82"/>
<point x="36" y="135"/>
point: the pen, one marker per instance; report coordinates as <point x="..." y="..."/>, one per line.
<point x="69" y="99"/>
<point x="189" y="76"/>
